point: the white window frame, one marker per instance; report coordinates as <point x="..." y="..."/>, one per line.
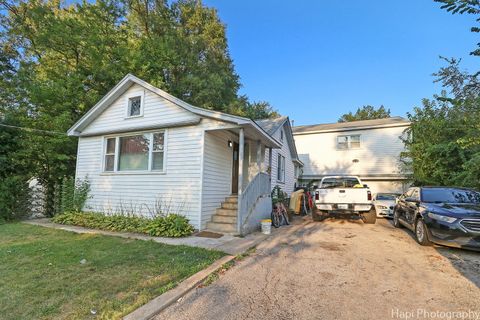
<point x="281" y="167"/>
<point x="349" y="140"/>
<point x="135" y="94"/>
<point x="105" y="154"/>
<point x="150" y="153"/>
<point x="281" y="135"/>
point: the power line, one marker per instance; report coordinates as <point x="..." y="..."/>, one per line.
<point x="33" y="130"/>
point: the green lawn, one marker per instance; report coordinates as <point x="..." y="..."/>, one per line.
<point x="41" y="276"/>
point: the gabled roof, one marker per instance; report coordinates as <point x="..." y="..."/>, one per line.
<point x="353" y="125"/>
<point x="130" y="79"/>
<point x="272" y="125"/>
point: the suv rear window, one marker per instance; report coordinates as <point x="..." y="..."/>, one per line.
<point x="339" y="182"/>
<point x="450" y="195"/>
<point x="386" y="196"/>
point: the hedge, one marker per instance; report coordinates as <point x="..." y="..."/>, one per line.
<point x="172" y="225"/>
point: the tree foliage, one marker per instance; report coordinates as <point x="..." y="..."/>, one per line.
<point x="58" y="59"/>
<point x="465" y="7"/>
<point x="367" y="112"/>
<point x="443" y="141"/>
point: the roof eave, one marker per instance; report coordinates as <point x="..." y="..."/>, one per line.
<point x="403" y="124"/>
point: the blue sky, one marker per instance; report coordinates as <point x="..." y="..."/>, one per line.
<point x="315" y="60"/>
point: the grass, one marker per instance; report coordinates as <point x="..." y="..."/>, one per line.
<point x="42" y="277"/>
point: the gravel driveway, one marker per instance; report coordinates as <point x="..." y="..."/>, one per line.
<point x="341" y="269"/>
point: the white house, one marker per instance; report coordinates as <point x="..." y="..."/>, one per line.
<point x="286" y="166"/>
<point x="369" y="149"/>
<point x="145" y="151"/>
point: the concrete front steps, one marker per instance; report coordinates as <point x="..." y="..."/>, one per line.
<point x="225" y="218"/>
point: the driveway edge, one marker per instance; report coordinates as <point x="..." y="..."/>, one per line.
<point x="155" y="306"/>
<point x="160" y="303"/>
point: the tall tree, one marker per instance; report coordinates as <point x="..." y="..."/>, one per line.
<point x="443" y="141"/>
<point x="367" y="112"/>
<point x="59" y="59"/>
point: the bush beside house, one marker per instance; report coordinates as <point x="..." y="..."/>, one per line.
<point x="172" y="225"/>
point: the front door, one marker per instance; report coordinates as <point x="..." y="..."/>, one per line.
<point x="235" y="169"/>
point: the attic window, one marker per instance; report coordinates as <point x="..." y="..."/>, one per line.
<point x="281" y="135"/>
<point x="134" y="106"/>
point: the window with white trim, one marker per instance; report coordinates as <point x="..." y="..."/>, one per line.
<point x="134" y="104"/>
<point x="110" y="154"/>
<point x="281" y="168"/>
<point x="158" y="151"/>
<point x="136" y="152"/>
<point x="348" y="142"/>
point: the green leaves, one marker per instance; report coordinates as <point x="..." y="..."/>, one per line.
<point x="172" y="225"/>
<point x="444" y="147"/>
<point x="58" y="60"/>
<point x="367" y="112"/>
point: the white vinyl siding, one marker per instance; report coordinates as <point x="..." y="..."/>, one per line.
<point x="378" y="155"/>
<point x="217" y="171"/>
<point x="156" y="111"/>
<point x="289" y="183"/>
<point x="145" y="191"/>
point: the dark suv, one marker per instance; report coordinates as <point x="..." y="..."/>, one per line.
<point x="443" y="215"/>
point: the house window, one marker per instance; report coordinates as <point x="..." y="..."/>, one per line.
<point x="158" y="151"/>
<point x="281" y="168"/>
<point x="281" y="135"/>
<point x="139" y="152"/>
<point x="110" y="155"/>
<point x="348" y="142"/>
<point x="134" y="106"/>
<point x="133" y="153"/>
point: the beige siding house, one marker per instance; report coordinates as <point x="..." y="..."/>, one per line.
<point x="369" y="149"/>
<point x="145" y="151"/>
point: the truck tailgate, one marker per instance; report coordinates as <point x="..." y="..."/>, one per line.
<point x="343" y="195"/>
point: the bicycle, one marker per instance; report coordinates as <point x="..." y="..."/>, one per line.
<point x="279" y="215"/>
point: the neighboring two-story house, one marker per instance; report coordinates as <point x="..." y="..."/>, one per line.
<point x="369" y="149"/>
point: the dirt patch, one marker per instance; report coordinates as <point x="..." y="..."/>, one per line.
<point x="339" y="270"/>
<point x="331" y="246"/>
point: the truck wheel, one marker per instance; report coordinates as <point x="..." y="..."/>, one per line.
<point x="370" y="217"/>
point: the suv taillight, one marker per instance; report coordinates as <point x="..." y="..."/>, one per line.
<point x="369" y="195"/>
<point x="317" y="195"/>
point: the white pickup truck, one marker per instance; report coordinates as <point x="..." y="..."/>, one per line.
<point x="343" y="195"/>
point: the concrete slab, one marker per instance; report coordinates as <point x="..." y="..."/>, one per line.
<point x="228" y="243"/>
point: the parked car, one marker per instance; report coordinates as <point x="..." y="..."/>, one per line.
<point x="384" y="203"/>
<point x="343" y="195"/>
<point x="442" y="215"/>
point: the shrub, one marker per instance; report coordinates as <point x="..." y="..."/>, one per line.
<point x="14" y="198"/>
<point x="172" y="225"/>
<point x="74" y="194"/>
